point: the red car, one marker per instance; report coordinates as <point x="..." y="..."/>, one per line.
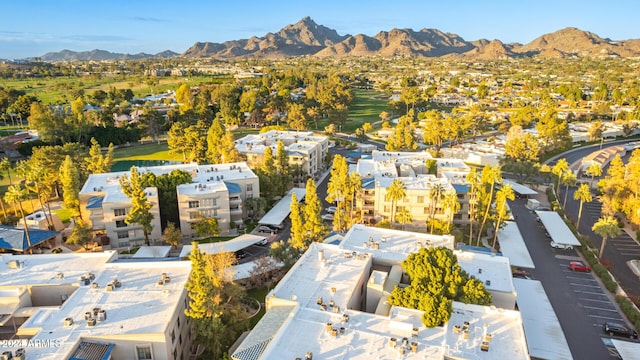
<point x="579" y="266"/>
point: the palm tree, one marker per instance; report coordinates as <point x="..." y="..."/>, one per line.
<point x="5" y="165"/>
<point x="355" y="187"/>
<point x="583" y="194"/>
<point x="558" y="169"/>
<point x="436" y="193"/>
<point x="493" y="176"/>
<point x="594" y="170"/>
<point x="451" y="206"/>
<point x="505" y="193"/>
<point x="568" y="179"/>
<point x="15" y="194"/>
<point x="396" y="191"/>
<point x="472" y="180"/>
<point x="606" y="227"/>
<point x="404" y="217"/>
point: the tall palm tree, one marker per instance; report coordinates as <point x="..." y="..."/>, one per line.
<point x="582" y="194"/>
<point x="355" y="186"/>
<point x="558" y="169"/>
<point x="568" y="179"/>
<point x="451" y="206"/>
<point x="594" y="170"/>
<point x="5" y="165"/>
<point x="15" y="194"/>
<point x="436" y="193"/>
<point x="505" y="193"/>
<point x="396" y="191"/>
<point x="606" y="227"/>
<point x="472" y="180"/>
<point x="404" y="217"/>
<point x="492" y="175"/>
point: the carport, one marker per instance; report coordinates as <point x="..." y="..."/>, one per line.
<point x="512" y="246"/>
<point x="232" y="245"/>
<point x="545" y="339"/>
<point x="519" y="188"/>
<point x="557" y="229"/>
<point x="628" y="350"/>
<point x="281" y="210"/>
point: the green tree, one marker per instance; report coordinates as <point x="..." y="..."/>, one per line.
<point x="207" y="226"/>
<point x="228" y="149"/>
<point x="297" y="117"/>
<point x="176" y="140"/>
<point x="97" y="163"/>
<point x="214" y="138"/>
<point x="402" y="138"/>
<point x="184" y="98"/>
<point x="285" y="253"/>
<point x="490" y="177"/>
<point x="199" y="287"/>
<point x="172" y="235"/>
<point x="593" y="170"/>
<point x="16" y="194"/>
<point x="404" y="217"/>
<point x="256" y="207"/>
<point x="297" y="238"/>
<point x="451" y="206"/>
<point x="314" y="228"/>
<point x="6" y="165"/>
<point x="606" y="227"/>
<point x="582" y="194"/>
<point x="595" y="130"/>
<point x="558" y="170"/>
<point x="70" y="180"/>
<point x="337" y="190"/>
<point x="396" y="191"/>
<point x="436" y="194"/>
<point x="436" y="281"/>
<point x="81" y="234"/>
<point x="140" y="212"/>
<point x="568" y="179"/>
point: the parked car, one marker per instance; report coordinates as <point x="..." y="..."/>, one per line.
<point x="327" y="217"/>
<point x="331" y="209"/>
<point x="521" y="274"/>
<point x="579" y="266"/>
<point x="617" y="329"/>
<point x="262" y="242"/>
<point x="560" y="246"/>
<point x="241" y="254"/>
<point x="267" y="229"/>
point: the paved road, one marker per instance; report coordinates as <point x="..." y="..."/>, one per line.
<point x="579" y="301"/>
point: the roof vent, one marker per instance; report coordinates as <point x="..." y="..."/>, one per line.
<point x="488" y="282"/>
<point x="308" y="355"/>
<point x="91" y="322"/>
<point x="68" y="321"/>
<point x="414" y="347"/>
<point x="95" y="285"/>
<point x="393" y="342"/>
<point x="14" y="264"/>
<point x="109" y="287"/>
<point x="102" y="315"/>
<point x="480" y="271"/>
<point x="59" y="276"/>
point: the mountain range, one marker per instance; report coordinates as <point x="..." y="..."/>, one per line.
<point x="306" y="38"/>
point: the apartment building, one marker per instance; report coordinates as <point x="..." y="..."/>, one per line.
<point x="305" y="149"/>
<point x="333" y="304"/>
<point x="217" y="191"/>
<point x="424" y="187"/>
<point x="91" y="306"/>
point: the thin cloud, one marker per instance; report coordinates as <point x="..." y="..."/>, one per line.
<point x="148" y="19"/>
<point x="105" y="38"/>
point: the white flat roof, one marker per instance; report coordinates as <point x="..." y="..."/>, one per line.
<point x="281" y="210"/>
<point x="152" y="252"/>
<point x="232" y="245"/>
<point x="557" y="229"/>
<point x="519" y="188"/>
<point x="512" y="246"/>
<point x="628" y="350"/>
<point x="393" y="245"/>
<point x="545" y="338"/>
<point x="493" y="271"/>
<point x="140" y="306"/>
<point x="367" y="336"/>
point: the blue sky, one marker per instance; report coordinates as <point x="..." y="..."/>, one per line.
<point x="31" y="28"/>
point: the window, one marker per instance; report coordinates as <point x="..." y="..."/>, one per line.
<point x="194" y="204"/>
<point x="143" y="352"/>
<point x="386" y="209"/>
<point x="249" y="187"/>
<point x="420" y="199"/>
<point x="426" y="210"/>
<point x="214" y="201"/>
<point x="123" y="234"/>
<point x="119" y="212"/>
<point x="120" y="223"/>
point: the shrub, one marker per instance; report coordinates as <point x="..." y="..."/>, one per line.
<point x="629" y="310"/>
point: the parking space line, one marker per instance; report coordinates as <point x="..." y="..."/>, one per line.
<point x="592" y="286"/>
<point x="600" y="301"/>
<point x="628" y="253"/>
<point x="601" y="309"/>
<point x="579" y="278"/>
<point x="589" y="292"/>
<point x="606" y="317"/>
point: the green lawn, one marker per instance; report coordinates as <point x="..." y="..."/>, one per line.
<point x="366" y="107"/>
<point x="259" y="294"/>
<point x="63" y="214"/>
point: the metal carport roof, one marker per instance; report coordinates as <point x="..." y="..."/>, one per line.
<point x="557" y="229"/>
<point x="232" y="245"/>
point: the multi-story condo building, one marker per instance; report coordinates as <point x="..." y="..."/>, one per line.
<point x="304" y="148"/>
<point x="90" y="306"/>
<point x="216" y="191"/>
<point x="425" y="187"/>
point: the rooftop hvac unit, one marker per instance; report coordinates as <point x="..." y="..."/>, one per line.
<point x="102" y="315"/>
<point x="308" y="355"/>
<point x="59" y="276"/>
<point x="414" y="347"/>
<point x="109" y="287"/>
<point x="6" y="355"/>
<point x="160" y="282"/>
<point x="90" y="275"/>
<point x="14" y="264"/>
<point x="68" y="321"/>
<point x="86" y="281"/>
<point x="88" y="315"/>
<point x="91" y="322"/>
<point x="95" y="285"/>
